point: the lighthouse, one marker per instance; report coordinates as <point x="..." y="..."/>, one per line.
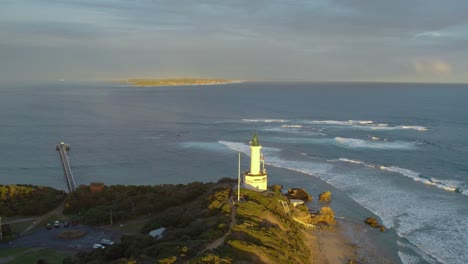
<point x="256" y="179"/>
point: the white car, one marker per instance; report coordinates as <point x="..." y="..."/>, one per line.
<point x="107" y="242"/>
<point x="57" y="224"/>
<point x="98" y="246"/>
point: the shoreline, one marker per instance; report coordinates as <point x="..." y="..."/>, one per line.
<point x="358" y="239"/>
<point x="348" y="241"/>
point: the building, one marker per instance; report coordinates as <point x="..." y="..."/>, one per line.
<point x="256" y="179"/>
<point x="96" y="187"/>
<point x="157" y="233"/>
<point x="296" y="202"/>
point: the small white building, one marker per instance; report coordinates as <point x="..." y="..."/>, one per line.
<point x="157" y="233"/>
<point x="295" y="202"/>
<point x="256" y="179"/>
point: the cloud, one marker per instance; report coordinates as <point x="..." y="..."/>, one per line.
<point x="432" y="67"/>
<point x="289" y="40"/>
<point x="433" y="34"/>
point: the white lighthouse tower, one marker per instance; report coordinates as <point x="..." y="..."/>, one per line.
<point x="256" y="179"/>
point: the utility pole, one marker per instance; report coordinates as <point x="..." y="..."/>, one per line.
<point x="1" y="234"/>
<point x="238" y="179"/>
<point x="111" y="216"/>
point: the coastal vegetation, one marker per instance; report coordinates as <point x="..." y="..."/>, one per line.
<point x="264" y="233"/>
<point x="123" y="202"/>
<point x="26" y="200"/>
<point x="204" y="223"/>
<point x="71" y="234"/>
<point x="210" y="228"/>
<point x="175" y="82"/>
<point x="191" y="227"/>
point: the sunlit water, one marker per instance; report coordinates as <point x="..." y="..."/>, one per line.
<point x="398" y="150"/>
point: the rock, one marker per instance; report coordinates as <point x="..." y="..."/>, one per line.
<point x="276" y="188"/>
<point x="297" y="193"/>
<point x="325" y="216"/>
<point x="374" y="223"/>
<point x="325" y="196"/>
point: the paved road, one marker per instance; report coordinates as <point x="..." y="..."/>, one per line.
<point x="48" y="238"/>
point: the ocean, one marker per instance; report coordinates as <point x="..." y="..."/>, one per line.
<point x="396" y="151"/>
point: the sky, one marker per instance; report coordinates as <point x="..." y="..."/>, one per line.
<point x="261" y="40"/>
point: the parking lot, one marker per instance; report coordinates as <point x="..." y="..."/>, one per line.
<point x="49" y="238"/>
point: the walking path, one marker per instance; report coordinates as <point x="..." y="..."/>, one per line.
<point x="218" y="242"/>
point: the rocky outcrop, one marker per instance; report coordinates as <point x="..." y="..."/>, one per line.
<point x="297" y="193"/>
<point x="326" y="217"/>
<point x="374" y="223"/>
<point x="276" y="188"/>
<point x="325" y="196"/>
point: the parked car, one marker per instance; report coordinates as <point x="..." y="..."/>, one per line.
<point x="74" y="222"/>
<point x="98" y="246"/>
<point x="49" y="226"/>
<point x="57" y="224"/>
<point x="66" y="224"/>
<point x="107" y="242"/>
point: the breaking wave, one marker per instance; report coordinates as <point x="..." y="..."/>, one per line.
<point x="360" y="143"/>
<point x="357" y="124"/>
<point x="365" y="124"/>
<point x="265" y="120"/>
<point x="448" y="185"/>
<point x="291" y="126"/>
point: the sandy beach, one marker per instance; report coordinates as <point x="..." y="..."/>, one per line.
<point x="347" y="241"/>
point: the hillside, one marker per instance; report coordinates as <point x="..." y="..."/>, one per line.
<point x="210" y="228"/>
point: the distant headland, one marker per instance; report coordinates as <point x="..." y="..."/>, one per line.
<point x="177" y="82"/>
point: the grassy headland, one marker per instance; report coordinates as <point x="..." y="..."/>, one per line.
<point x="176" y="82"/>
<point x="204" y="224"/>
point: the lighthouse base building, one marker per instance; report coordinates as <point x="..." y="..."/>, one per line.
<point x="256" y="179"/>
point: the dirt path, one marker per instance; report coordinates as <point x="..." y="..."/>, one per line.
<point x="218" y="242"/>
<point x="56" y="211"/>
<point x="21" y="220"/>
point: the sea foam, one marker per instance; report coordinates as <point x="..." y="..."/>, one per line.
<point x="360" y="143"/>
<point x="273" y="120"/>
<point x="448" y="185"/>
<point x="365" y="124"/>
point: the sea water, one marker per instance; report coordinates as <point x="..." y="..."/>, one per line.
<point x="398" y="151"/>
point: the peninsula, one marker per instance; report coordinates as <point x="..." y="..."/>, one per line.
<point x="177" y="82"/>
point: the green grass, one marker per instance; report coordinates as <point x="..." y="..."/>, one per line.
<point x="32" y="255"/>
<point x="19" y="227"/>
<point x="132" y="227"/>
<point x="10" y="252"/>
<point x="71" y="234"/>
<point x="255" y="236"/>
<point x="42" y="224"/>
